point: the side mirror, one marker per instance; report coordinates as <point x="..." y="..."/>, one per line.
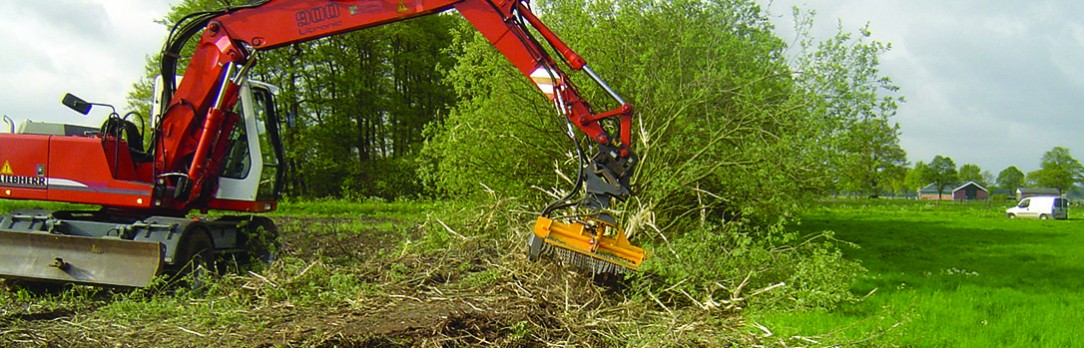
<point x="74" y="103"/>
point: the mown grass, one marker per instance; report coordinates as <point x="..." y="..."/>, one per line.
<point x="949" y="275"/>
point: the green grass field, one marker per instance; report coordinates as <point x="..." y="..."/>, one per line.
<point x="953" y="275"/>
<point x="958" y="275"/>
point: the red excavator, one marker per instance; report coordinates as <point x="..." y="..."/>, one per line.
<point x="215" y="145"/>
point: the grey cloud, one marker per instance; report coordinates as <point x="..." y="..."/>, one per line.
<point x="78" y="17"/>
<point x="991" y="83"/>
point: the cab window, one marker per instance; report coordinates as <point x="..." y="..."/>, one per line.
<point x="263" y="106"/>
<point x="237" y="162"/>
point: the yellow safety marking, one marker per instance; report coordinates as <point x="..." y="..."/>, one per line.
<point x="402" y="7"/>
<point x="6" y="170"/>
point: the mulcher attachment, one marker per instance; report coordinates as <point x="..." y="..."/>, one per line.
<point x="593" y="244"/>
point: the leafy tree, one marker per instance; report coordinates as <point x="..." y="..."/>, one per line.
<point x="1010" y="178"/>
<point x="916" y="177"/>
<point x="941" y="172"/>
<point x="858" y="101"/>
<point x="971" y="172"/>
<point x="1059" y="170"/>
<point x="897" y="180"/>
<point x="724" y="124"/>
<point x="987" y="178"/>
<point x="872" y="157"/>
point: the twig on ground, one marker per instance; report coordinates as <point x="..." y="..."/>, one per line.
<point x="191" y="332"/>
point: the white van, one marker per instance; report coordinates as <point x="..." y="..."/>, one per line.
<point x="1042" y="207"/>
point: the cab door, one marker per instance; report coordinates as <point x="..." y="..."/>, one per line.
<point x="252" y="167"/>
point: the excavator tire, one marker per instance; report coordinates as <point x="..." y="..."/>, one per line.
<point x="195" y="258"/>
<point x="259" y="238"/>
<point x="261" y="241"/>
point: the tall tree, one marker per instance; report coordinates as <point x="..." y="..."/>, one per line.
<point x="942" y="173"/>
<point x="859" y="101"/>
<point x="971" y="172"/>
<point x="916" y="177"/>
<point x="1059" y="170"/>
<point x="872" y="158"/>
<point x="1010" y="179"/>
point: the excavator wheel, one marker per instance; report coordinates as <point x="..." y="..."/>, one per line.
<point x="195" y="259"/>
<point x="259" y="238"/>
<point x="261" y="241"/>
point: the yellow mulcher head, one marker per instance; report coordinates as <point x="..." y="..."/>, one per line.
<point x="592" y="244"/>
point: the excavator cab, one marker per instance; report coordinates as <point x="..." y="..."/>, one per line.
<point x="253" y="167"/>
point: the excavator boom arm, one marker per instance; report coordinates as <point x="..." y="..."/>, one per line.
<point x="195" y="112"/>
<point x="197" y="115"/>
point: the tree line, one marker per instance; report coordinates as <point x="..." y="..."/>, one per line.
<point x="1057" y="170"/>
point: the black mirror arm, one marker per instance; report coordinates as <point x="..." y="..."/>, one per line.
<point x="82" y="106"/>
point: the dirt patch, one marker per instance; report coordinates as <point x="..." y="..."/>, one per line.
<point x="406" y="323"/>
<point x="341" y="238"/>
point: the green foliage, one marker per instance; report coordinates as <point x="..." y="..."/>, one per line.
<point x="720" y="127"/>
<point x="1059" y="170"/>
<point x="1010" y="179"/>
<point x="771" y="267"/>
<point x="856" y="101"/>
<point x="941" y="172"/>
<point x="872" y="160"/>
<point x="390" y="179"/>
<point x="916" y="177"/>
<point x="971" y="172"/>
<point x="502" y="135"/>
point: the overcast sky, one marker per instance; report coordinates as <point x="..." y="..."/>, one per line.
<point x="94" y="49"/>
<point x="995" y="83"/>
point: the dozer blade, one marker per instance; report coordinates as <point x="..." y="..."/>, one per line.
<point x="605" y="250"/>
<point x="73" y="259"/>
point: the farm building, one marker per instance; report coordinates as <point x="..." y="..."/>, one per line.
<point x="1025" y="192"/>
<point x="963" y="192"/>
